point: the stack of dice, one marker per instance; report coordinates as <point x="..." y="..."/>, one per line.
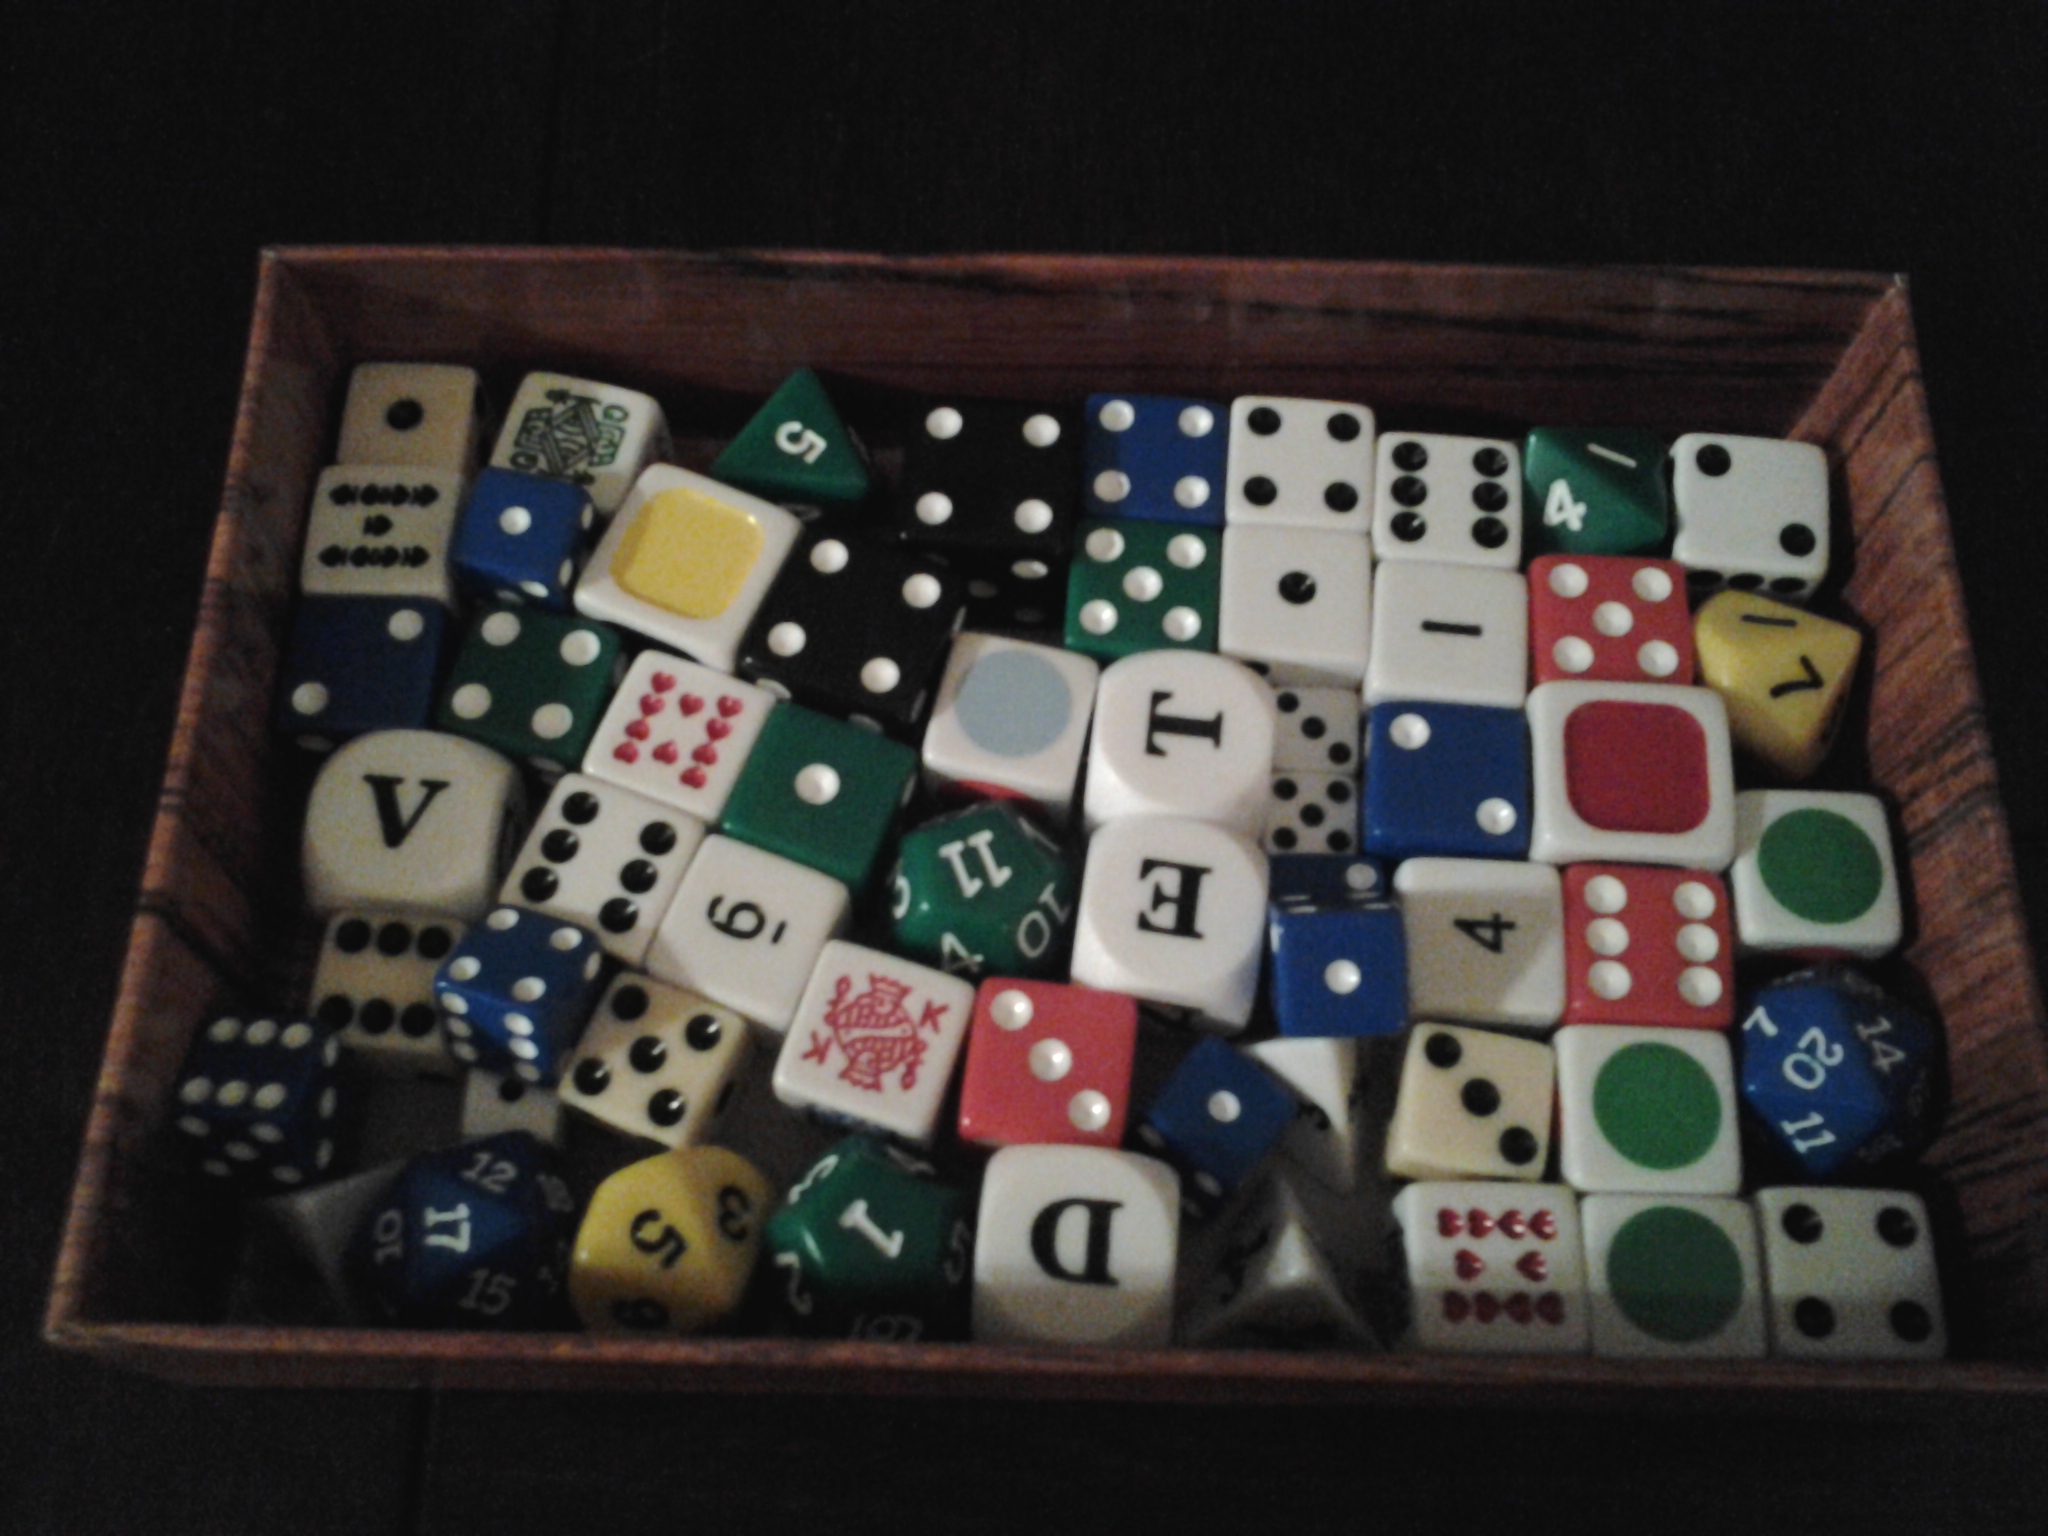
<point x="1190" y="823"/>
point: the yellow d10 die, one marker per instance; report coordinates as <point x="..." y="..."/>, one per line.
<point x="668" y="1244"/>
<point x="1783" y="673"/>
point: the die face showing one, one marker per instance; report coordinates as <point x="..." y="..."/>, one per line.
<point x="1453" y="633"/>
<point x="520" y="539"/>
<point x="1471" y="1105"/>
<point x="1076" y="1245"/>
<point x="686" y="563"/>
<point x="1154" y="457"/>
<point x="679" y="733"/>
<point x="1181" y="735"/>
<point x="1311" y="813"/>
<point x="991" y="481"/>
<point x="1485" y="941"/>
<point x="657" y="1062"/>
<point x="606" y="858"/>
<point x="1673" y="1275"/>
<point x="1750" y="513"/>
<point x="798" y="453"/>
<point x="493" y="1103"/>
<point x="360" y="664"/>
<point x="259" y="1102"/>
<point x="1215" y="1120"/>
<point x="1454" y="499"/>
<point x="1143" y="587"/>
<point x="381" y="530"/>
<point x="983" y="892"/>
<point x="821" y="792"/>
<point x="375" y="985"/>
<point x="1446" y="780"/>
<point x="531" y="684"/>
<point x="1340" y="971"/>
<point x="1631" y="772"/>
<point x="1325" y="880"/>
<point x="745" y="929"/>
<point x="1494" y="1269"/>
<point x="873" y="1042"/>
<point x="1322" y="1073"/>
<point x="1010" y="719"/>
<point x="597" y="436"/>
<point x="1645" y="945"/>
<point x="1047" y="1062"/>
<point x="1784" y="675"/>
<point x="1608" y="619"/>
<point x="1173" y="911"/>
<point x="1316" y="730"/>
<point x="1595" y="492"/>
<point x="1850" y="1275"/>
<point x="1814" y="874"/>
<point x="412" y="819"/>
<point x="1298" y="602"/>
<point x="424" y="414"/>
<point x="1300" y="464"/>
<point x="1273" y="1286"/>
<point x="1646" y="1111"/>
<point x="517" y="991"/>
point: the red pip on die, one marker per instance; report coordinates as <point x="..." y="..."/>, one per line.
<point x="1609" y="619"/>
<point x="1047" y="1062"/>
<point x="1648" y="946"/>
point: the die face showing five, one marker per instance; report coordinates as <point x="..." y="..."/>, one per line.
<point x="983" y="892"/>
<point x="1671" y="1275"/>
<point x="520" y="539"/>
<point x="1181" y="735"/>
<point x="667" y="1244"/>
<point x="1750" y="513"/>
<point x="1595" y="492"/>
<point x="1851" y="1275"/>
<point x="597" y="436"/>
<point x="493" y="1104"/>
<point x="1647" y="1111"/>
<point x="821" y="792"/>
<point x="1486" y="941"/>
<point x="1312" y="813"/>
<point x="1137" y="586"/>
<point x="1471" y="1105"/>
<point x="678" y="733"/>
<point x="1297" y="602"/>
<point x="531" y="684"/>
<point x="428" y="415"/>
<point x="518" y="990"/>
<point x="657" y="1062"/>
<point x="1494" y="1269"/>
<point x="991" y="481"/>
<point x="259" y="1102"/>
<point x="1154" y="457"/>
<point x="360" y="664"/>
<point x="1452" y="633"/>
<point x="1784" y="675"/>
<point x="1215" y="1120"/>
<point x="1324" y="1138"/>
<point x="1010" y="719"/>
<point x="1647" y="945"/>
<point x="797" y="452"/>
<point x="381" y="530"/>
<point x="375" y="986"/>
<point x="1316" y="730"/>
<point x="1340" y="971"/>
<point x="1454" y="499"/>
<point x="1273" y="1285"/>
<point x="1446" y="780"/>
<point x="1814" y="874"/>
<point x="1300" y="464"/>
<point x="1609" y="619"/>
<point x="1047" y="1062"/>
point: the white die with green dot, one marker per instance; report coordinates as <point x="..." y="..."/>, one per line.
<point x="1647" y="1110"/>
<point x="1814" y="874"/>
<point x="1673" y="1275"/>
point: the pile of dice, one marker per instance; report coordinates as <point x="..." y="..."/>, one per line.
<point x="1206" y="930"/>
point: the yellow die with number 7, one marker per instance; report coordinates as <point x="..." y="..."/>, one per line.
<point x="1784" y="674"/>
<point x="668" y="1243"/>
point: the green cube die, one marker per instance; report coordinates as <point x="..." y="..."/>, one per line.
<point x="533" y="685"/>
<point x="821" y="792"/>
<point x="1141" y="586"/>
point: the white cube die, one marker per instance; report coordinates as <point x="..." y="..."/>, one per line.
<point x="1454" y="499"/>
<point x="429" y="415"/>
<point x="657" y="1062"/>
<point x="1814" y="874"/>
<point x="1750" y="513"/>
<point x="1673" y="1275"/>
<point x="598" y="436"/>
<point x="1297" y="602"/>
<point x="1012" y="717"/>
<point x="1317" y="729"/>
<point x="1647" y="1110"/>
<point x="493" y="1103"/>
<point x="1851" y="1275"/>
<point x="678" y="732"/>
<point x="1472" y="1104"/>
<point x="375" y="983"/>
<point x="1485" y="940"/>
<point x="1494" y="1268"/>
<point x="1457" y="634"/>
<point x="1300" y="464"/>
<point x="1181" y="733"/>
<point x="381" y="531"/>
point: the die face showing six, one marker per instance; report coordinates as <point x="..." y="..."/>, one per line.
<point x="1750" y="513"/>
<point x="821" y="792"/>
<point x="493" y="1104"/>
<point x="1300" y="464"/>
<point x="1273" y="1286"/>
<point x="597" y="436"/>
<point x="1316" y="730"/>
<point x="1486" y="941"/>
<point x="667" y="1244"/>
<point x="1137" y="586"/>
<point x="411" y="819"/>
<point x="1597" y="795"/>
<point x="375" y="986"/>
<point x="360" y="664"/>
<point x="983" y="892"/>
<point x="657" y="1062"/>
<point x="1076" y="1245"/>
<point x="1341" y="971"/>
<point x="1595" y="492"/>
<point x="258" y="1102"/>
<point x="1673" y="1275"/>
<point x="1446" y="780"/>
<point x="1646" y="945"/>
<point x="679" y="733"/>
<point x="424" y="414"/>
<point x="1454" y="499"/>
<point x="1215" y="1120"/>
<point x="873" y="1042"/>
<point x="1173" y="911"/>
<point x="1494" y="1269"/>
<point x="1324" y="1137"/>
<point x="1010" y="719"/>
<point x="520" y="539"/>
<point x="1609" y="619"/>
<point x="746" y="927"/>
<point x="1850" y="1275"/>
<point x="997" y="479"/>
<point x="381" y="530"/>
<point x="687" y="562"/>
<point x="1784" y="675"/>
<point x="1452" y="633"/>
<point x="1298" y="602"/>
<point x="1311" y="813"/>
<point x="517" y="991"/>
<point x="1154" y="457"/>
<point x="1646" y="1111"/>
<point x="1814" y="874"/>
<point x="798" y="453"/>
<point x="1471" y="1105"/>
<point x="606" y="858"/>
<point x="531" y="684"/>
<point x="1047" y="1062"/>
<point x="1181" y="735"/>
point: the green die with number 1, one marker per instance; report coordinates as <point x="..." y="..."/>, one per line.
<point x="984" y="893"/>
<point x="1594" y="493"/>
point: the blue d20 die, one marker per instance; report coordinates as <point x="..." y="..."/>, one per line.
<point x="520" y="539"/>
<point x="360" y="664"/>
<point x="1154" y="456"/>
<point x="1840" y="1075"/>
<point x="1450" y="780"/>
<point x="1339" y="971"/>
<point x="518" y="991"/>
<point x="1319" y="880"/>
<point x="1216" y="1118"/>
<point x="260" y="1103"/>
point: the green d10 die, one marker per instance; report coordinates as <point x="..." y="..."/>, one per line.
<point x="798" y="453"/>
<point x="821" y="792"/>
<point x="984" y="893"/>
<point x="533" y="685"/>
<point x="868" y="1247"/>
<point x="1143" y="586"/>
<point x="1594" y="493"/>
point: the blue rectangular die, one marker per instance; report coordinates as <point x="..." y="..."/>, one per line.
<point x="1338" y="972"/>
<point x="1156" y="457"/>
<point x="520" y="539"/>
<point x="360" y="664"/>
<point x="1216" y="1118"/>
<point x="1324" y="880"/>
<point x="518" y="991"/>
<point x="1447" y="780"/>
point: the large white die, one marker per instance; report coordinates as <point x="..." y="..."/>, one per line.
<point x="1076" y="1245"/>
<point x="1274" y="1283"/>
<point x="1457" y="634"/>
<point x="1454" y="499"/>
<point x="1814" y="873"/>
<point x="381" y="531"/>
<point x="1646" y="1111"/>
<point x="1181" y="733"/>
<point x="375" y="983"/>
<point x="1670" y="1275"/>
<point x="1485" y="940"/>
<point x="1012" y="716"/>
<point x="678" y="732"/>
<point x="599" y="436"/>
<point x="413" y="819"/>
<point x="1750" y="512"/>
<point x="429" y="415"/>
<point x="1300" y="464"/>
<point x="1298" y="602"/>
<point x="657" y="1062"/>
<point x="1850" y="1275"/>
<point x="1472" y="1104"/>
<point x="1322" y="1072"/>
<point x="1173" y="911"/>
<point x="1494" y="1268"/>
<point x="874" y="1042"/>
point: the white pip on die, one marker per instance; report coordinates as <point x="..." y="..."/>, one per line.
<point x="428" y="415"/>
<point x="1485" y="940"/>
<point x="1455" y="499"/>
<point x="1457" y="634"/>
<point x="598" y="436"/>
<point x="657" y="1062"/>
<point x="1181" y="733"/>
<point x="492" y="1103"/>
<point x="375" y="983"/>
<point x="1274" y="1283"/>
<point x="381" y="531"/>
<point x="1851" y="1275"/>
<point x="1296" y="603"/>
<point x="678" y="732"/>
<point x="1300" y="464"/>
<point x="1494" y="1268"/>
<point x="1012" y="716"/>
<point x="1749" y="513"/>
<point x="1671" y="1275"/>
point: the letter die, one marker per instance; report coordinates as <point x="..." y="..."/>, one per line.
<point x="360" y="664"/>
<point x="657" y="1062"/>
<point x="597" y="436"/>
<point x="1047" y="1062"/>
<point x="531" y="684"/>
<point x="1215" y="1120"/>
<point x="1181" y="735"/>
<point x="1154" y="457"/>
<point x="1670" y="1275"/>
<point x="1647" y="1111"/>
<point x="1494" y="1268"/>
<point x="867" y="1246"/>
<point x="1143" y="587"/>
<point x="520" y="539"/>
<point x="1338" y="970"/>
<point x="381" y="531"/>
<point x="1471" y="1105"/>
<point x="1455" y="499"/>
<point x="993" y="486"/>
<point x="1850" y="1275"/>
<point x="1598" y="492"/>
<point x="1274" y="1285"/>
<point x="1750" y="513"/>
<point x="1814" y="875"/>
<point x="1076" y="1245"/>
<point x="983" y="892"/>
<point x="1609" y="619"/>
<point x="375" y="985"/>
<point x="798" y="453"/>
<point x="1648" y="945"/>
<point x="1010" y="721"/>
<point x="678" y="733"/>
<point x="1485" y="941"/>
<point x="1450" y="780"/>
<point x="1300" y="464"/>
<point x="260" y="1102"/>
<point x="1296" y="603"/>
<point x="668" y="1244"/>
<point x="424" y="414"/>
<point x="821" y="792"/>
<point x="1784" y="675"/>
<point x="517" y="992"/>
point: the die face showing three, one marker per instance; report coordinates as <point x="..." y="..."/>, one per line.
<point x="260" y="1103"/>
<point x="1750" y="513"/>
<point x="1673" y="1275"/>
<point x="531" y="684"/>
<point x="1597" y="492"/>
<point x="1456" y="634"/>
<point x="983" y="892"/>
<point x="1815" y="875"/>
<point x="375" y="985"/>
<point x="1648" y="945"/>
<point x="1609" y="619"/>
<point x="1471" y="1104"/>
<point x="1784" y="675"/>
<point x="1494" y="1268"/>
<point x="1851" y="1275"/>
<point x="427" y="415"/>
<point x="1300" y="464"/>
<point x="520" y="539"/>
<point x="797" y="452"/>
<point x="679" y="733"/>
<point x="1647" y="1111"/>
<point x="667" y="1244"/>
<point x="1010" y="720"/>
<point x="1047" y="1062"/>
<point x="1181" y="735"/>
<point x="1316" y="730"/>
<point x="1136" y="586"/>
<point x="593" y="435"/>
<point x="1453" y="499"/>
<point x="1154" y="457"/>
<point x="657" y="1062"/>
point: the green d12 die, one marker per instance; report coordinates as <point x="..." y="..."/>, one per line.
<point x="533" y="685"/>
<point x="798" y="453"/>
<point x="821" y="792"/>
<point x="1594" y="493"/>
<point x="984" y="893"/>
<point x="868" y="1247"/>
<point x="1143" y="586"/>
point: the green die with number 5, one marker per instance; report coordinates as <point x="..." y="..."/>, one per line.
<point x="1596" y="492"/>
<point x="797" y="453"/>
<point x="984" y="893"/>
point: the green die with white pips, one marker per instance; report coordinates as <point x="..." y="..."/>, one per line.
<point x="984" y="892"/>
<point x="1647" y="1110"/>
<point x="1143" y="586"/>
<point x="533" y="685"/>
<point x="821" y="792"/>
<point x="1598" y="492"/>
<point x="798" y="453"/>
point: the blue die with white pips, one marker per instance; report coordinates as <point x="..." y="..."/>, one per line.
<point x="518" y="991"/>
<point x="1155" y="457"/>
<point x="1338" y="971"/>
<point x="1217" y="1116"/>
<point x="520" y="539"/>
<point x="1450" y="780"/>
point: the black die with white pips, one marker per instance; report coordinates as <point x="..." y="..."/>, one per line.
<point x="657" y="1062"/>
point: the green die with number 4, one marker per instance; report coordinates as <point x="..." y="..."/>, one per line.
<point x="1595" y="493"/>
<point x="797" y="453"/>
<point x="868" y="1247"/>
<point x="984" y="892"/>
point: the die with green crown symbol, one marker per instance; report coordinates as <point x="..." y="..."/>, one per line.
<point x="821" y="792"/>
<point x="531" y="684"/>
<point x="797" y="452"/>
<point x="984" y="892"/>
<point x="1598" y="492"/>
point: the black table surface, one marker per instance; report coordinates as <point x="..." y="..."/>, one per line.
<point x="151" y="152"/>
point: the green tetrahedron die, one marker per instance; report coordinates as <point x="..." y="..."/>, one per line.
<point x="1595" y="492"/>
<point x="984" y="892"/>
<point x="798" y="453"/>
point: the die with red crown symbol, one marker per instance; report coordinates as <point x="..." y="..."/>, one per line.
<point x="1047" y="1062"/>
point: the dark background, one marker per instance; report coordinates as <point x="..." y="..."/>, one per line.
<point x="149" y="153"/>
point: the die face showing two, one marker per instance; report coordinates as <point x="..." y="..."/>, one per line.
<point x="1453" y="499"/>
<point x="1297" y="602"/>
<point x="1472" y="1104"/>
<point x="597" y="436"/>
<point x="1648" y="945"/>
<point x="517" y="991"/>
<point x="821" y="792"/>
<point x="1851" y="1275"/>
<point x="427" y="415"/>
<point x="983" y="892"/>
<point x="1181" y="735"/>
<point x="1447" y="780"/>
<point x="1154" y="457"/>
<point x="1010" y="720"/>
<point x="1598" y="492"/>
<point x="1784" y="675"/>
<point x="1673" y="1275"/>
<point x="679" y="733"/>
<point x="531" y="684"/>
<point x="1750" y="513"/>
<point x="259" y="1102"/>
<point x="1047" y="1062"/>
<point x="381" y="530"/>
<point x="667" y="1244"/>
<point x="1494" y="1268"/>
<point x="520" y="539"/>
<point x="1485" y="941"/>
<point x="360" y="664"/>
<point x="657" y="1062"/>
<point x="1339" y="971"/>
<point x="1136" y="586"/>
<point x="1457" y="634"/>
<point x="1814" y="874"/>
<point x="1300" y="464"/>
<point x="797" y="452"/>
<point x="375" y="985"/>
<point x="1609" y="619"/>
<point x="1647" y="1111"/>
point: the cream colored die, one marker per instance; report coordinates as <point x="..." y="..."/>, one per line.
<point x="598" y="436"/>
<point x="492" y="1103"/>
<point x="424" y="414"/>
<point x="375" y="983"/>
<point x="1851" y="1275"/>
<point x="1673" y="1275"/>
<point x="1494" y="1268"/>
<point x="381" y="531"/>
<point x="657" y="1062"/>
<point x="1471" y="1105"/>
<point x="1485" y="940"/>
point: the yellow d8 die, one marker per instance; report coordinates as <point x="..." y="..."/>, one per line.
<point x="1783" y="673"/>
<point x="668" y="1243"/>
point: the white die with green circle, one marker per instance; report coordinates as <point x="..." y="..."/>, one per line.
<point x="1814" y="873"/>
<point x="1673" y="1275"/>
<point x="1647" y="1110"/>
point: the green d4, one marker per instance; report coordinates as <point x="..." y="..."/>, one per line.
<point x="1594" y="493"/>
<point x="1143" y="586"/>
<point x="533" y="685"/>
<point x="868" y="1247"/>
<point x="821" y="792"/>
<point x="798" y="453"/>
<point x="984" y="893"/>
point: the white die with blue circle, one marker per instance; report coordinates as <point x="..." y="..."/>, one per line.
<point x="1012" y="715"/>
<point x="1155" y="456"/>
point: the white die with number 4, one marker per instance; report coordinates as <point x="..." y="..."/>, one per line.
<point x="1485" y="940"/>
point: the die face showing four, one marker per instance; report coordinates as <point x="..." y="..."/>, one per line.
<point x="1750" y="513"/>
<point x="1814" y="874"/>
<point x="1137" y="586"/>
<point x="1486" y="941"/>
<point x="1273" y="1286"/>
<point x="1300" y="464"/>
<point x="1047" y="1062"/>
<point x="1851" y="1275"/>
<point x="983" y="892"/>
<point x="1649" y="1111"/>
<point x="1784" y="675"/>
<point x="991" y="481"/>
<point x="360" y="664"/>
<point x="1446" y="780"/>
<point x="1076" y="1245"/>
<point x="1647" y="945"/>
<point x="1010" y="719"/>
<point x="1454" y="499"/>
<point x="657" y="1062"/>
<point x="493" y="1104"/>
<point x="821" y="792"/>
<point x="1154" y="457"/>
<point x="531" y="684"/>
<point x="381" y="530"/>
<point x="679" y="733"/>
<point x="1341" y="971"/>
<point x="1215" y="1120"/>
<point x="518" y="990"/>
<point x="424" y="414"/>
<point x="1324" y="1138"/>
<point x="259" y="1102"/>
<point x="1493" y="1268"/>
<point x="1312" y="813"/>
<point x="1471" y="1105"/>
<point x="1298" y="602"/>
<point x="798" y="453"/>
<point x="520" y="539"/>
<point x="1452" y="633"/>
<point x="1316" y="730"/>
<point x="1608" y="619"/>
<point x="1595" y="492"/>
<point x="1181" y="735"/>
<point x="1672" y="1275"/>
<point x="667" y="1244"/>
<point x="375" y="986"/>
<point x="597" y="436"/>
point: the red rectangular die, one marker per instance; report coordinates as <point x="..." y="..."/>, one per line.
<point x="1609" y="619"/>
<point x="1048" y="1062"/>
<point x="1647" y="945"/>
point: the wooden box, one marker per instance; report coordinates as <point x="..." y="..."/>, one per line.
<point x="1827" y="357"/>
